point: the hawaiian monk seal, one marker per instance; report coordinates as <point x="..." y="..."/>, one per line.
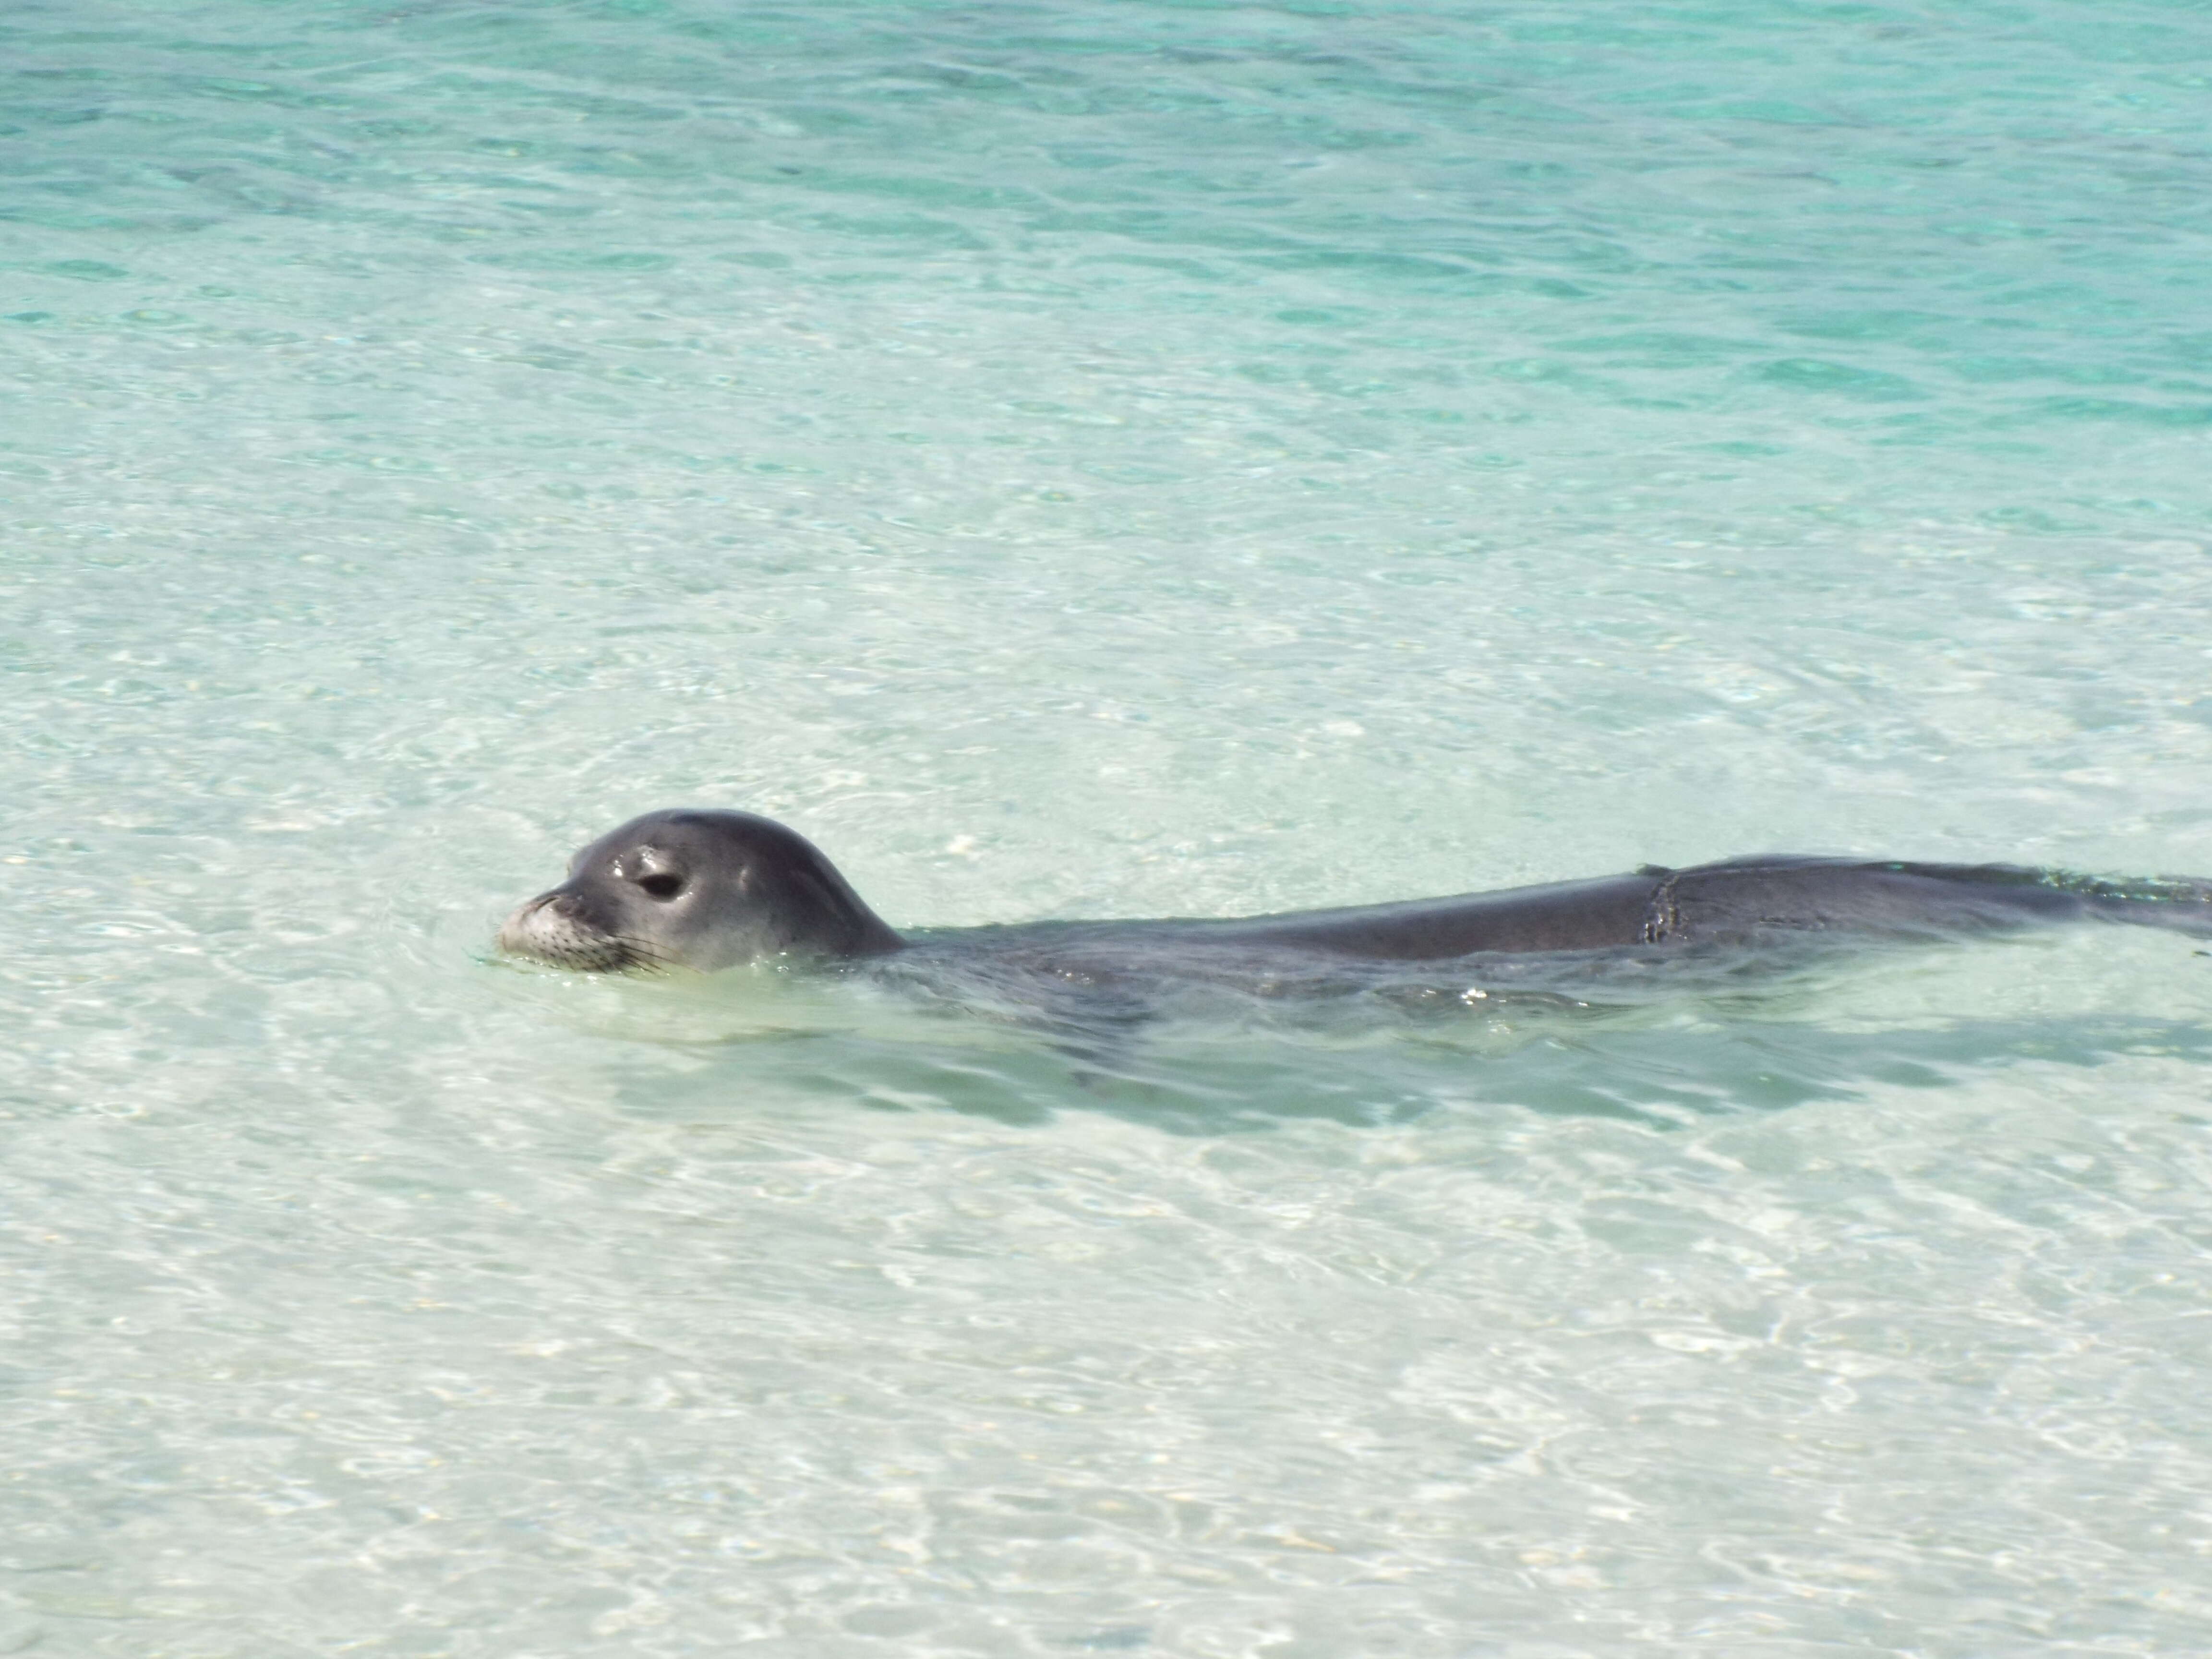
<point x="707" y="890"/>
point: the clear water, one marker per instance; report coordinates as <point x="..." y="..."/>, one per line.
<point x="1073" y="460"/>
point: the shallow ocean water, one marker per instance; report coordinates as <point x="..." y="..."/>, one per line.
<point x="1073" y="460"/>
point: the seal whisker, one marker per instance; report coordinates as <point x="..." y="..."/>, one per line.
<point x="642" y="954"/>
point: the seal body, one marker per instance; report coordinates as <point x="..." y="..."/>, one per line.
<point x="707" y="890"/>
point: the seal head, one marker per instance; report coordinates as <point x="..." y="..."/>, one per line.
<point x="692" y="887"/>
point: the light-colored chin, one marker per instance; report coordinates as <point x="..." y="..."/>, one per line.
<point x="542" y="933"/>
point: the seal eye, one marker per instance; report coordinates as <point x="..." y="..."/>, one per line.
<point x="662" y="887"/>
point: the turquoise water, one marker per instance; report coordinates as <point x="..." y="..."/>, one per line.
<point x="1119" y="460"/>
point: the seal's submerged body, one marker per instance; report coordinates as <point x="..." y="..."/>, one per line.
<point x="709" y="889"/>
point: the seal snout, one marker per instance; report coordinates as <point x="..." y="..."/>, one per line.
<point x="553" y="928"/>
<point x="530" y="907"/>
<point x="516" y="932"/>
